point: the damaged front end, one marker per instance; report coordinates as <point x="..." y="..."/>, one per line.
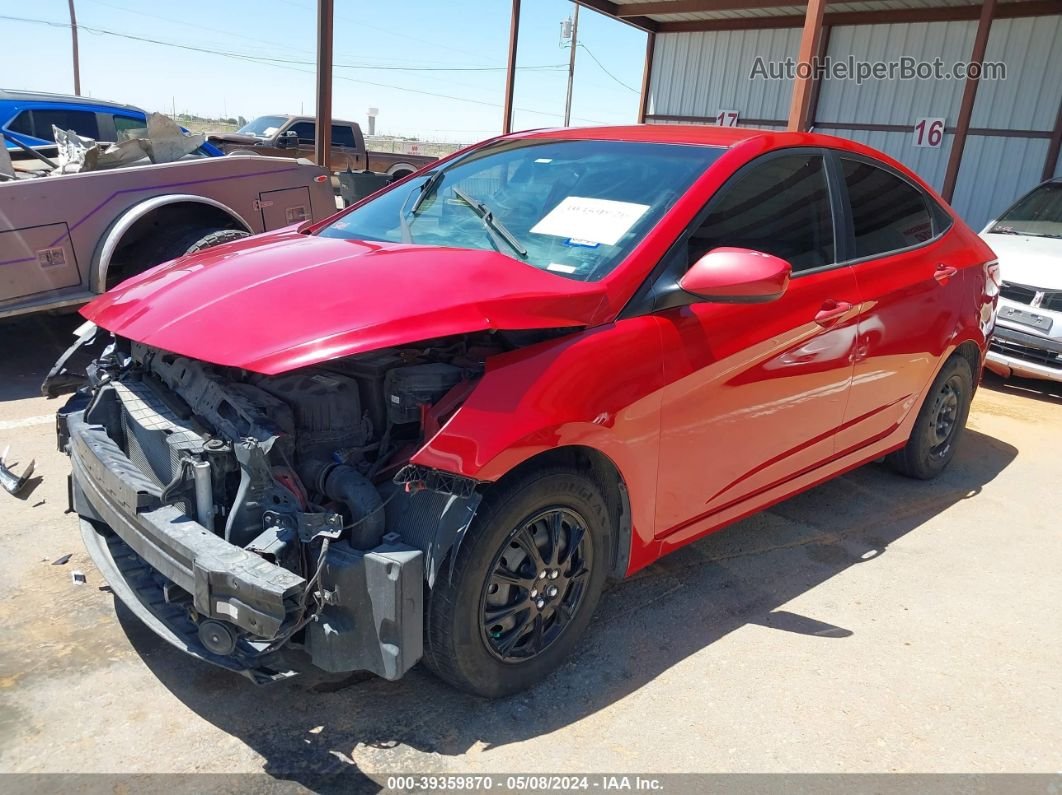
<point x="265" y="523"/>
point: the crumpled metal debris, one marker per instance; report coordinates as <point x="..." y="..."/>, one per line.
<point x="13" y="484"/>
<point x="166" y="142"/>
<point x="162" y="141"/>
<point x="7" y="170"/>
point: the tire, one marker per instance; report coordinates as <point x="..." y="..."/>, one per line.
<point x="492" y="656"/>
<point x="940" y="423"/>
<point x="170" y="244"/>
<point x="216" y="239"/>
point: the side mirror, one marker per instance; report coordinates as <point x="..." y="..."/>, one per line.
<point x="288" y="139"/>
<point x="737" y="276"/>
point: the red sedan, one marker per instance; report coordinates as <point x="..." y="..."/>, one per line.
<point x="433" y="426"/>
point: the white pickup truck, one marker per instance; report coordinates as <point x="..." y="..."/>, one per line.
<point x="66" y="237"/>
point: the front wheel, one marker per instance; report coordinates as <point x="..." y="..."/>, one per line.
<point x="525" y="584"/>
<point x="940" y="423"/>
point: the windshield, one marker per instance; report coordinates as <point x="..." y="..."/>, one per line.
<point x="263" y="126"/>
<point x="1038" y="213"/>
<point x="575" y="208"/>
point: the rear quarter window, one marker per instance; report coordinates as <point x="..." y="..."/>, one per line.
<point x="888" y="213"/>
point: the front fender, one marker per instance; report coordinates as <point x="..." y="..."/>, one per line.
<point x="598" y="388"/>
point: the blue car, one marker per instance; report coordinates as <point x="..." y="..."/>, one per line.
<point x="28" y="116"/>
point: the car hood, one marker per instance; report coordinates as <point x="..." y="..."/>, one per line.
<point x="1031" y="261"/>
<point x="286" y="300"/>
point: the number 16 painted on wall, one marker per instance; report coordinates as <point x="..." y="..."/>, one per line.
<point x="929" y="133"/>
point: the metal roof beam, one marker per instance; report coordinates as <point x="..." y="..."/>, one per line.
<point x="1034" y="8"/>
<point x="694" y="6"/>
<point x="613" y="10"/>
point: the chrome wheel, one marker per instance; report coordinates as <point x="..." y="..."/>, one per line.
<point x="536" y="585"/>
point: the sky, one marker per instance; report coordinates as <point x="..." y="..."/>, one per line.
<point x="434" y="68"/>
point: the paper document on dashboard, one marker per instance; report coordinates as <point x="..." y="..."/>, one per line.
<point x="597" y="220"/>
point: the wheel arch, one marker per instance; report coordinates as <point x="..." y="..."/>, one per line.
<point x="603" y="471"/>
<point x="971" y="352"/>
<point x="122" y="230"/>
<point x="401" y="170"/>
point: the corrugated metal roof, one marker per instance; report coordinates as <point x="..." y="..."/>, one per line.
<point x="783" y="9"/>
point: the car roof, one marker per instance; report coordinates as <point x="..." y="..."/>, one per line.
<point x="701" y="134"/>
<point x="13" y="95"/>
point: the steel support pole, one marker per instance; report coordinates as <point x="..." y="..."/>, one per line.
<point x="969" y="94"/>
<point x="647" y="76"/>
<point x="802" y="84"/>
<point x="323" y="132"/>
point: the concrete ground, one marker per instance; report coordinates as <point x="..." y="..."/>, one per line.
<point x="874" y="624"/>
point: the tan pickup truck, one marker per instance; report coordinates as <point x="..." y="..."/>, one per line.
<point x="293" y="136"/>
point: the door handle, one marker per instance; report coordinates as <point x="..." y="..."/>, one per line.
<point x="832" y="311"/>
<point x="944" y="272"/>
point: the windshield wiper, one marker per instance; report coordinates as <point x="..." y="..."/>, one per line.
<point x="495" y="228"/>
<point x="425" y="190"/>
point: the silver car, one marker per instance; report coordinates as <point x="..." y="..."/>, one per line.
<point x="1027" y="238"/>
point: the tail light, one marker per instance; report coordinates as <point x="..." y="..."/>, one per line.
<point x="992" y="272"/>
<point x="993" y="281"/>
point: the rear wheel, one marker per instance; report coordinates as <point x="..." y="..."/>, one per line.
<point x="525" y="584"/>
<point x="940" y="423"/>
<point x="169" y="244"/>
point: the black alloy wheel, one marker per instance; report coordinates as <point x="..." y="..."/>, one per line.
<point x="536" y="585"/>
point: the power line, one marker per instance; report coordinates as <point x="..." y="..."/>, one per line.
<point x="288" y="64"/>
<point x="606" y="71"/>
<point x="275" y="60"/>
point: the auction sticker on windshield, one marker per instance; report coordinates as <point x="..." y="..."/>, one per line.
<point x="595" y="220"/>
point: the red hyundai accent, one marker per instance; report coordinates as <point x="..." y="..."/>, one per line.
<point x="433" y="426"/>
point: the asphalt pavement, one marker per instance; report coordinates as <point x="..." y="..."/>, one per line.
<point x="874" y="624"/>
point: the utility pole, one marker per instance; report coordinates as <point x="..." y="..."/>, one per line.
<point x="73" y="37"/>
<point x="571" y="67"/>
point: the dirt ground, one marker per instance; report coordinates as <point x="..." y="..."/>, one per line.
<point x="874" y="624"/>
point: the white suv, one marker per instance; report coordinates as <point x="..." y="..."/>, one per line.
<point x="1027" y="238"/>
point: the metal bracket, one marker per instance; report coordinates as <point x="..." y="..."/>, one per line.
<point x="308" y="525"/>
<point x="12" y="483"/>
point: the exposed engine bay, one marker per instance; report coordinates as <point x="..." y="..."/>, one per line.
<point x="307" y="472"/>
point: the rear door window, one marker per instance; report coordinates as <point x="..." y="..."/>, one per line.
<point x="127" y="126"/>
<point x="342" y="135"/>
<point x="888" y="213"/>
<point x="38" y="123"/>
<point x="780" y="206"/>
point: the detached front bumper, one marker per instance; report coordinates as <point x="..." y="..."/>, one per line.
<point x="174" y="574"/>
<point x="1013" y="352"/>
